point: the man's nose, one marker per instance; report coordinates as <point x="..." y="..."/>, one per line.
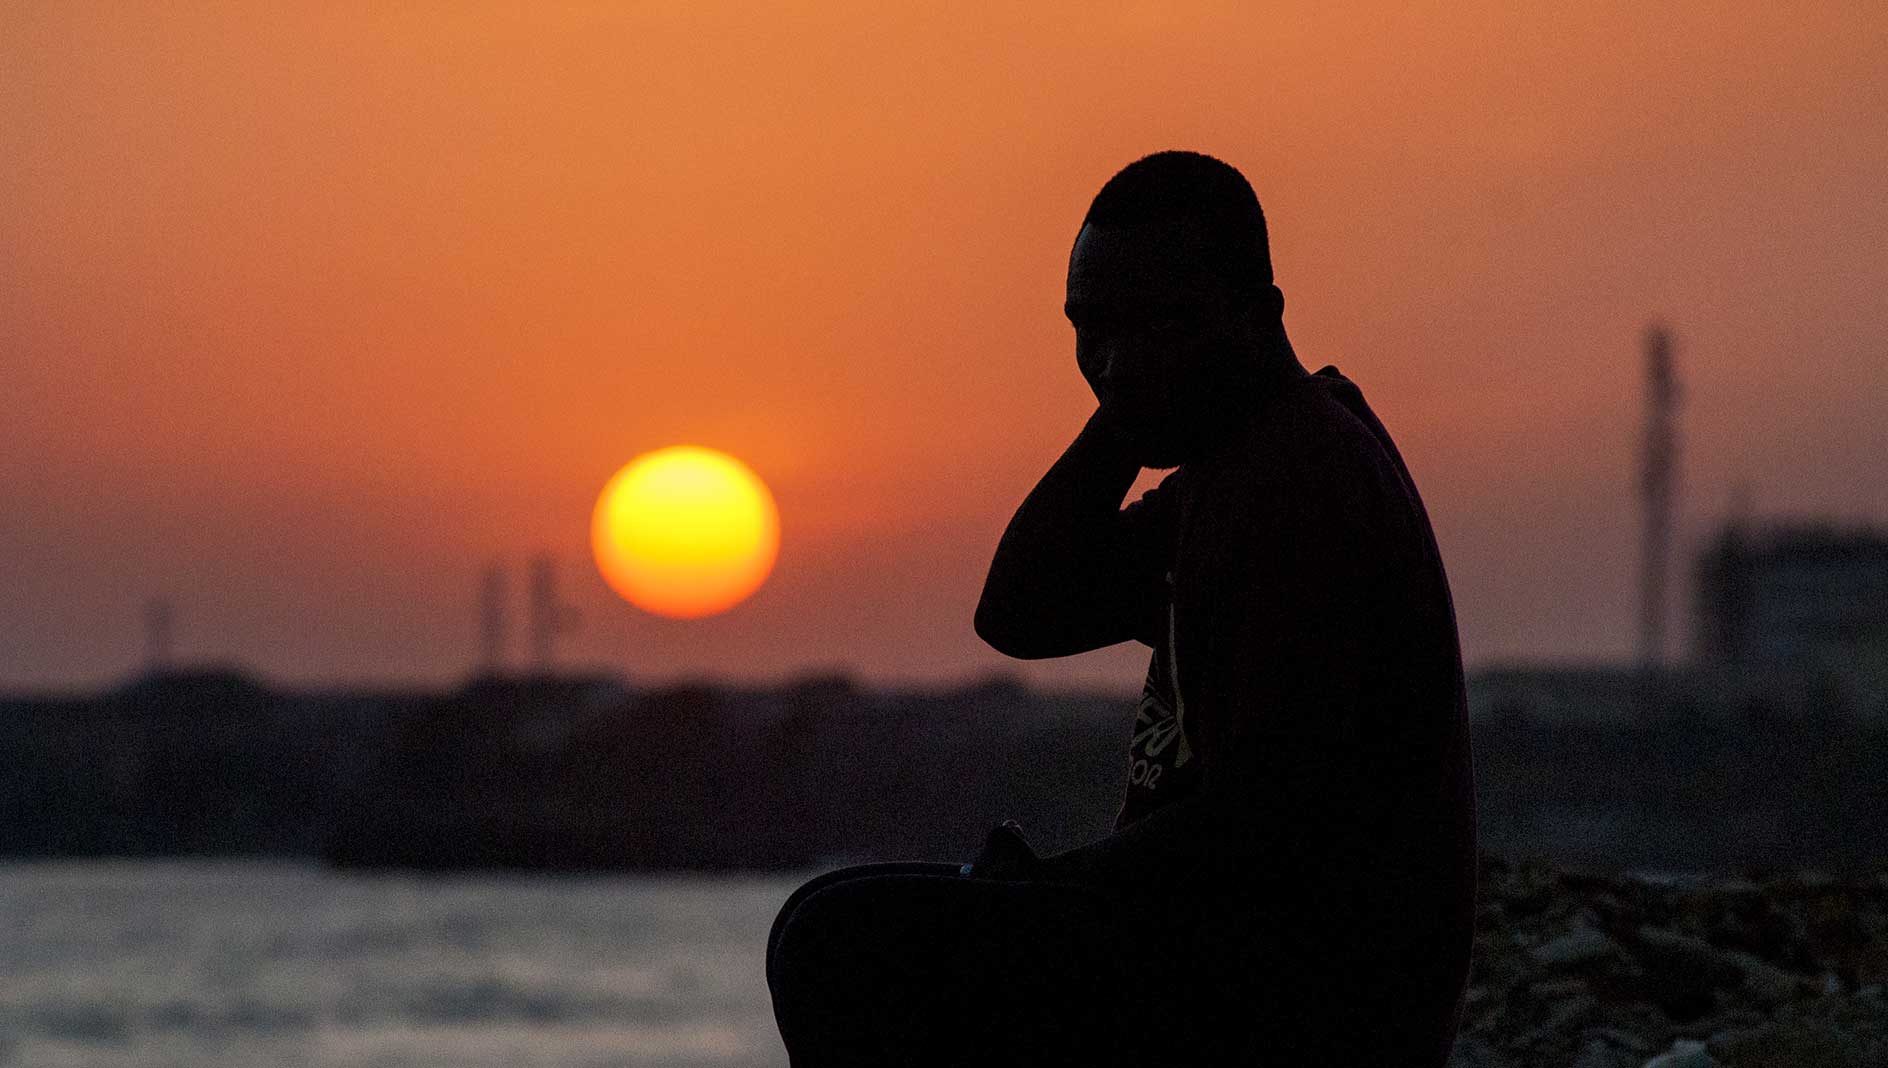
<point x="1120" y="367"/>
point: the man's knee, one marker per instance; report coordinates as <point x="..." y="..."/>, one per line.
<point x="820" y="971"/>
<point x="819" y="932"/>
<point x="781" y="919"/>
<point x="819" y="884"/>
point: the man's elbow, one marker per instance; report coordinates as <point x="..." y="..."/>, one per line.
<point x="999" y="631"/>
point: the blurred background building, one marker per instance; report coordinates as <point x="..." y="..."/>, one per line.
<point x="1789" y="618"/>
<point x="1792" y="617"/>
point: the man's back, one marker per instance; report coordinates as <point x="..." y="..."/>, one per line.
<point x="1317" y="660"/>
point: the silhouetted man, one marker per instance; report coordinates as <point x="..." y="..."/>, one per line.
<point x="1291" y="877"/>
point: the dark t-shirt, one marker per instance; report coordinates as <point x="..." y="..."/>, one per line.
<point x="1305" y="648"/>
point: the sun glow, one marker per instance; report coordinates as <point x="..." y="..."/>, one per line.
<point x="685" y="532"/>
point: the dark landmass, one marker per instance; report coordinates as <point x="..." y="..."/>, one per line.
<point x="580" y="772"/>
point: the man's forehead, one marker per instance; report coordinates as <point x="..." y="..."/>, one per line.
<point x="1109" y="262"/>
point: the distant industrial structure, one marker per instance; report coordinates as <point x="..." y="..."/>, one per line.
<point x="160" y="633"/>
<point x="1790" y="618"/>
<point x="1658" y="486"/>
<point x="1794" y="616"/>
<point x="494" y="622"/>
<point x="551" y="618"/>
<point x="548" y="617"/>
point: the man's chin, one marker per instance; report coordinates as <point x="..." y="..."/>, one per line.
<point x="1151" y="440"/>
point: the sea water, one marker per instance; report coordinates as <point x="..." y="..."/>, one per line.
<point x="220" y="964"/>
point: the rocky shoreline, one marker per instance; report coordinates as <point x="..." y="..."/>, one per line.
<point x="1759" y="970"/>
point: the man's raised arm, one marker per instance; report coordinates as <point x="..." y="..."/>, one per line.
<point x="1074" y="571"/>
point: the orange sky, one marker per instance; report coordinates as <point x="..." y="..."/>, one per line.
<point x="303" y="318"/>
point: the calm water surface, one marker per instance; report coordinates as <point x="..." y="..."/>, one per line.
<point x="226" y="964"/>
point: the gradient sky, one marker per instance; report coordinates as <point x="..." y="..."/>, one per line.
<point x="305" y="317"/>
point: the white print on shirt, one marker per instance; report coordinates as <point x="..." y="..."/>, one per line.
<point x="1158" y="722"/>
<point x="1173" y="674"/>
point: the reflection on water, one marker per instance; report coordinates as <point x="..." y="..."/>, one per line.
<point x="221" y="964"/>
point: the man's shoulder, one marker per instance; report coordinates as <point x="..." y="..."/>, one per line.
<point x="1311" y="477"/>
<point x="1318" y="435"/>
<point x="1315" y="484"/>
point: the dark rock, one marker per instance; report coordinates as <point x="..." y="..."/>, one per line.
<point x="1596" y="971"/>
<point x="1599" y="1053"/>
<point x="1580" y="945"/>
<point x="1685" y="1053"/>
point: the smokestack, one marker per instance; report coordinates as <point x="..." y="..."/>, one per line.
<point x="159" y="635"/>
<point x="494" y="626"/>
<point x="549" y="616"/>
<point x="1658" y="486"/>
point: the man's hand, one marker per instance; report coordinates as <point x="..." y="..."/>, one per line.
<point x="1070" y="573"/>
<point x="1005" y="854"/>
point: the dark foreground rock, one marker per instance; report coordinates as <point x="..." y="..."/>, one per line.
<point x="1763" y="970"/>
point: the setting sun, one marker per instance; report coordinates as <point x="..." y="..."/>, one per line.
<point x="685" y="532"/>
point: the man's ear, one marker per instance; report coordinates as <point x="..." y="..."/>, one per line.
<point x="1271" y="301"/>
<point x="1266" y="309"/>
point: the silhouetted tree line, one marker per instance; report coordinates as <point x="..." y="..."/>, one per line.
<point x="698" y="777"/>
<point x="578" y="773"/>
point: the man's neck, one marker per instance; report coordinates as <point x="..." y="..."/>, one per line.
<point x="1274" y="369"/>
<point x="1278" y="364"/>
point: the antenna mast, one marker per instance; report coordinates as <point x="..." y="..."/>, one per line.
<point x="549" y="616"/>
<point x="494" y="626"/>
<point x="159" y="634"/>
<point x="1658" y="481"/>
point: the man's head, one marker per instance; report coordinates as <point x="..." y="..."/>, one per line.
<point x="1170" y="292"/>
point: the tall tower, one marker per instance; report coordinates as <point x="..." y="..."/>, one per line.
<point x="550" y="617"/>
<point x="494" y="625"/>
<point x="160" y="633"/>
<point x="1658" y="486"/>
